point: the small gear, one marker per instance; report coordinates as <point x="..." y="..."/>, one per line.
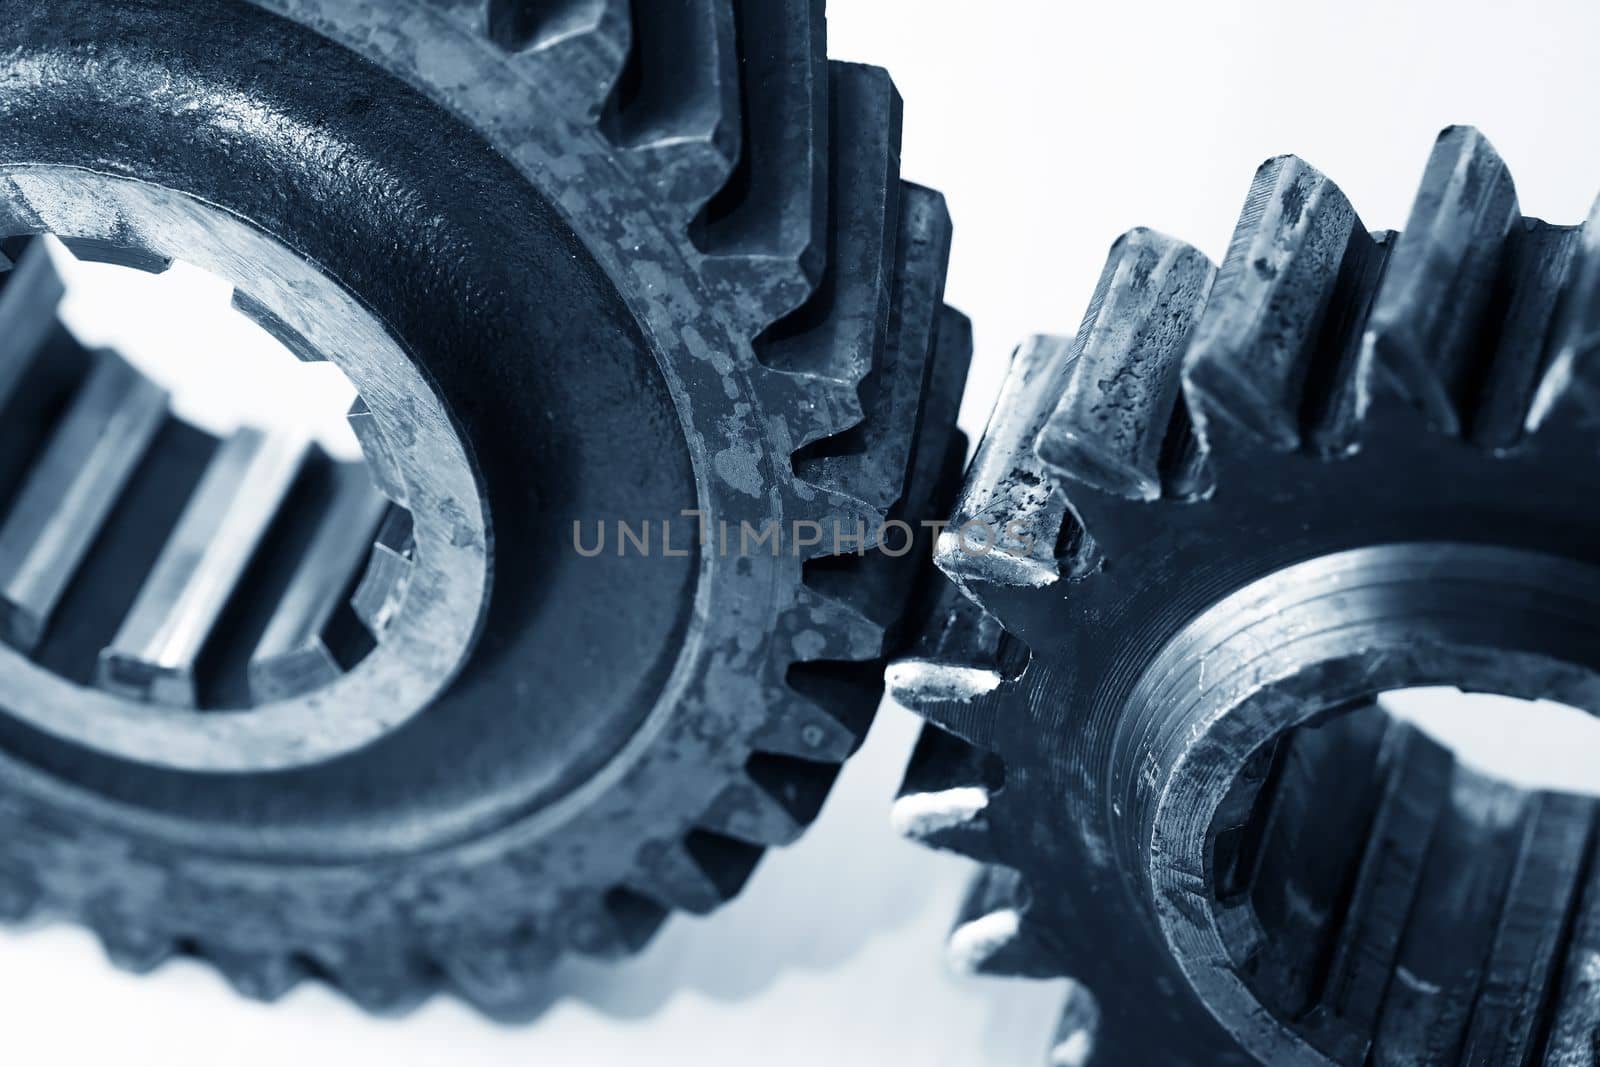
<point x="587" y="262"/>
<point x="1195" y="543"/>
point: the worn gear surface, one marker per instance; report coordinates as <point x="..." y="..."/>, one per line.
<point x="1241" y="504"/>
<point x="653" y="259"/>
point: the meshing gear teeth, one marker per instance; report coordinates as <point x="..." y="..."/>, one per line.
<point x="520" y="190"/>
<point x="1255" y="499"/>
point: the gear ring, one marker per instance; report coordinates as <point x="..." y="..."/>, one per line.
<point x="692" y="198"/>
<point x="1241" y="505"/>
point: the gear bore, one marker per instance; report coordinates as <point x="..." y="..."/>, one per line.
<point x="584" y="261"/>
<point x="1237" y="507"/>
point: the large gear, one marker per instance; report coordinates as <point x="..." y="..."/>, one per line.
<point x="613" y="261"/>
<point x="1238" y="506"/>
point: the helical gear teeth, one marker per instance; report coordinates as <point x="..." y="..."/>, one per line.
<point x="582" y="43"/>
<point x="1276" y="305"/>
<point x="676" y="108"/>
<point x="837" y="337"/>
<point x="766" y="231"/>
<point x="19" y="896"/>
<point x="871" y="460"/>
<point x="1110" y="425"/>
<point x="995" y="933"/>
<point x="1008" y="487"/>
<point x="1435" y="299"/>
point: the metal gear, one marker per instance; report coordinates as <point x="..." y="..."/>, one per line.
<point x="1241" y="504"/>
<point x="585" y="261"/>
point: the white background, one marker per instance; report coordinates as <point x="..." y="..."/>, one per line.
<point x="1052" y="127"/>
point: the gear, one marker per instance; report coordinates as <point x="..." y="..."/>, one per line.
<point x="586" y="262"/>
<point x="1195" y="543"/>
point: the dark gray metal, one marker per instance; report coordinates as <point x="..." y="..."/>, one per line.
<point x="1358" y="463"/>
<point x="650" y="260"/>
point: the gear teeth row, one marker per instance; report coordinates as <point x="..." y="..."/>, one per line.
<point x="833" y="696"/>
<point x="1309" y="318"/>
<point x="1009" y="489"/>
<point x="675" y="111"/>
<point x="995" y="933"/>
<point x="1110" y="425"/>
<point x="838" y="336"/>
<point x="586" y="41"/>
<point x="871" y="460"/>
<point x="766" y="231"/>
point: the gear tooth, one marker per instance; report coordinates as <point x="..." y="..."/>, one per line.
<point x="1537" y="262"/>
<point x="698" y="873"/>
<point x="952" y="360"/>
<point x="502" y="974"/>
<point x="777" y="799"/>
<point x="1078" y="1031"/>
<point x="610" y="926"/>
<point x="945" y="795"/>
<point x="962" y="654"/>
<point x="1281" y="302"/>
<point x="584" y="42"/>
<point x="995" y="934"/>
<point x="133" y="946"/>
<point x="381" y="978"/>
<point x="1008" y="488"/>
<point x="1110" y="425"/>
<point x="1435" y="298"/>
<point x="871" y="461"/>
<point x="675" y="111"/>
<point x="827" y="713"/>
<point x="839" y="335"/>
<point x="1569" y="388"/>
<point x="254" y="974"/>
<point x="847" y="633"/>
<point x="766" y="230"/>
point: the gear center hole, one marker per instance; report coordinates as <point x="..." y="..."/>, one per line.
<point x="187" y="517"/>
<point x="1382" y="869"/>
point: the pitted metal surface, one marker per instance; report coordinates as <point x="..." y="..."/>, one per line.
<point x="656" y="263"/>
<point x="1338" y="465"/>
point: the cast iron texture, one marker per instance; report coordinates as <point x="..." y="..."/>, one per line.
<point x="1247" y="501"/>
<point x="653" y="257"/>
